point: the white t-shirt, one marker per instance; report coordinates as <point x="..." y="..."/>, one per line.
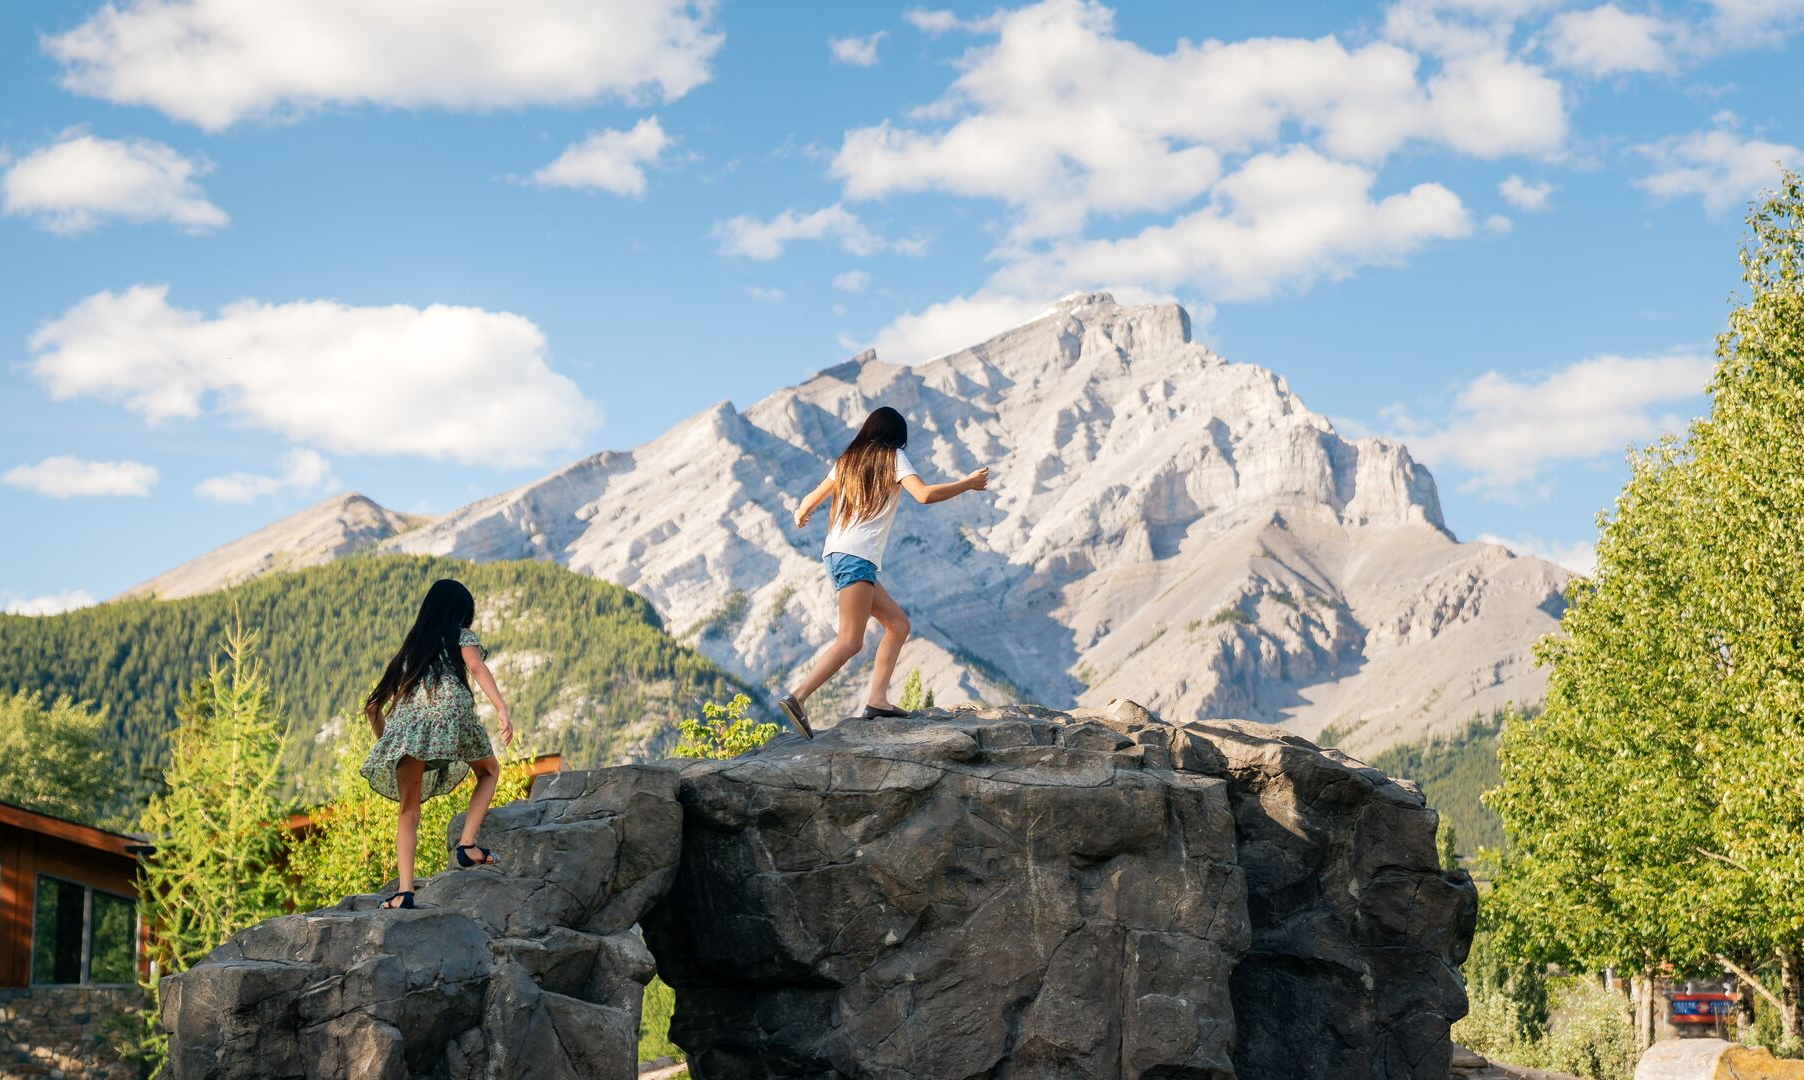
<point x="867" y="539"/>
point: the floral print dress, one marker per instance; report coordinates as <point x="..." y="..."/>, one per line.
<point x="436" y="723"/>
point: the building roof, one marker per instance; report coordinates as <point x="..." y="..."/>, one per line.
<point x="126" y="845"/>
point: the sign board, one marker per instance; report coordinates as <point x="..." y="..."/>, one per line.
<point x="1700" y="1008"/>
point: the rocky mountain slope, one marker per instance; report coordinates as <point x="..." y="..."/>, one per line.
<point x="341" y="525"/>
<point x="1160" y="521"/>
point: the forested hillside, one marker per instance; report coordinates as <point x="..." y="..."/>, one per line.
<point x="1454" y="773"/>
<point x="586" y="666"/>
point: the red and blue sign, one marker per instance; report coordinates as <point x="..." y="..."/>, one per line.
<point x="1701" y="1008"/>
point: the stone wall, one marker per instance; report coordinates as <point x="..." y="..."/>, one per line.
<point x="61" y="1031"/>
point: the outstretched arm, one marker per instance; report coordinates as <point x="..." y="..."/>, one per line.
<point x="933" y="493"/>
<point x="812" y="501"/>
<point x="479" y="671"/>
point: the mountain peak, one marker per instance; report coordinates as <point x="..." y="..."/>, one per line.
<point x="1159" y="521"/>
<point x="337" y="526"/>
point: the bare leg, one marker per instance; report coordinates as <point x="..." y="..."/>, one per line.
<point x="890" y="616"/>
<point x="854" y="611"/>
<point x="488" y="774"/>
<point x="408" y="773"/>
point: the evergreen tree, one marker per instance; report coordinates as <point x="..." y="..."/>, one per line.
<point x="218" y="826"/>
<point x="53" y="759"/>
<point x="914" y="697"/>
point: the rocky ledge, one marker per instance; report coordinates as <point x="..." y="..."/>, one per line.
<point x="999" y="893"/>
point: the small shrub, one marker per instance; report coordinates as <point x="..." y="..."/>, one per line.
<point x="723" y="732"/>
<point x="914" y="696"/>
<point x="1229" y="615"/>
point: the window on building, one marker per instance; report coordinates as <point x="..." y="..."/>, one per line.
<point x="82" y="935"/>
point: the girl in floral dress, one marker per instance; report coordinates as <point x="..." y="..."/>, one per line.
<point x="427" y="735"/>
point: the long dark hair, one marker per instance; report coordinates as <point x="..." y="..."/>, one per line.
<point x="866" y="469"/>
<point x="431" y="646"/>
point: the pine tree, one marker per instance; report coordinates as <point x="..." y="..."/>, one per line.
<point x="914" y="696"/>
<point x="217" y="826"/>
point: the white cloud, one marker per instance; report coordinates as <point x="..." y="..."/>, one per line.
<point x="65" y="477"/>
<point x="755" y="239"/>
<point x="952" y="325"/>
<point x="1523" y="195"/>
<point x="51" y="604"/>
<point x="1720" y="167"/>
<point x="1283" y="218"/>
<point x="79" y="182"/>
<point x="216" y="62"/>
<point x="301" y="470"/>
<point x="1743" y="24"/>
<point x="939" y="22"/>
<point x="851" y="281"/>
<point x="856" y="51"/>
<point x="1578" y="556"/>
<point x="450" y="383"/>
<point x="611" y="160"/>
<point x="765" y="295"/>
<point x="1063" y="119"/>
<point x="1607" y="40"/>
<point x="1505" y="431"/>
<point x="1451" y="28"/>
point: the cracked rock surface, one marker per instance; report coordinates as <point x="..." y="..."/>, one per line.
<point x="1002" y="893"/>
<point x="1018" y="892"/>
<point x="533" y="971"/>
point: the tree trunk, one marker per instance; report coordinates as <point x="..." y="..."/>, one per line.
<point x="1791" y="995"/>
<point x="1645" y="1013"/>
<point x="1744" y="1011"/>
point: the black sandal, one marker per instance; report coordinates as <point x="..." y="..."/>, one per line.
<point x="406" y="903"/>
<point x="797" y="715"/>
<point x="872" y="712"/>
<point x="488" y="857"/>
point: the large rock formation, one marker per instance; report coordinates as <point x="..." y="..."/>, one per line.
<point x="1008" y="893"/>
<point x="536" y="971"/>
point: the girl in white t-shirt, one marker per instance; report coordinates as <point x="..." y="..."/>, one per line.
<point x="863" y="485"/>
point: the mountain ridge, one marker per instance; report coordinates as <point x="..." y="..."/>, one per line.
<point x="1162" y="524"/>
<point x="338" y="526"/>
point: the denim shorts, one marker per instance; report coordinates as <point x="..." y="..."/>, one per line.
<point x="845" y="569"/>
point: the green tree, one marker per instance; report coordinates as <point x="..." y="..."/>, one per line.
<point x="1655" y="810"/>
<point x="53" y="759"/>
<point x="914" y="696"/>
<point x="217" y="826"/>
<point x="724" y="731"/>
<point x="1749" y="454"/>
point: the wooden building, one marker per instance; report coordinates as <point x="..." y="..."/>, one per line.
<point x="68" y="903"/>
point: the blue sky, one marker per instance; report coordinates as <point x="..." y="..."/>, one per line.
<point x="331" y="246"/>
